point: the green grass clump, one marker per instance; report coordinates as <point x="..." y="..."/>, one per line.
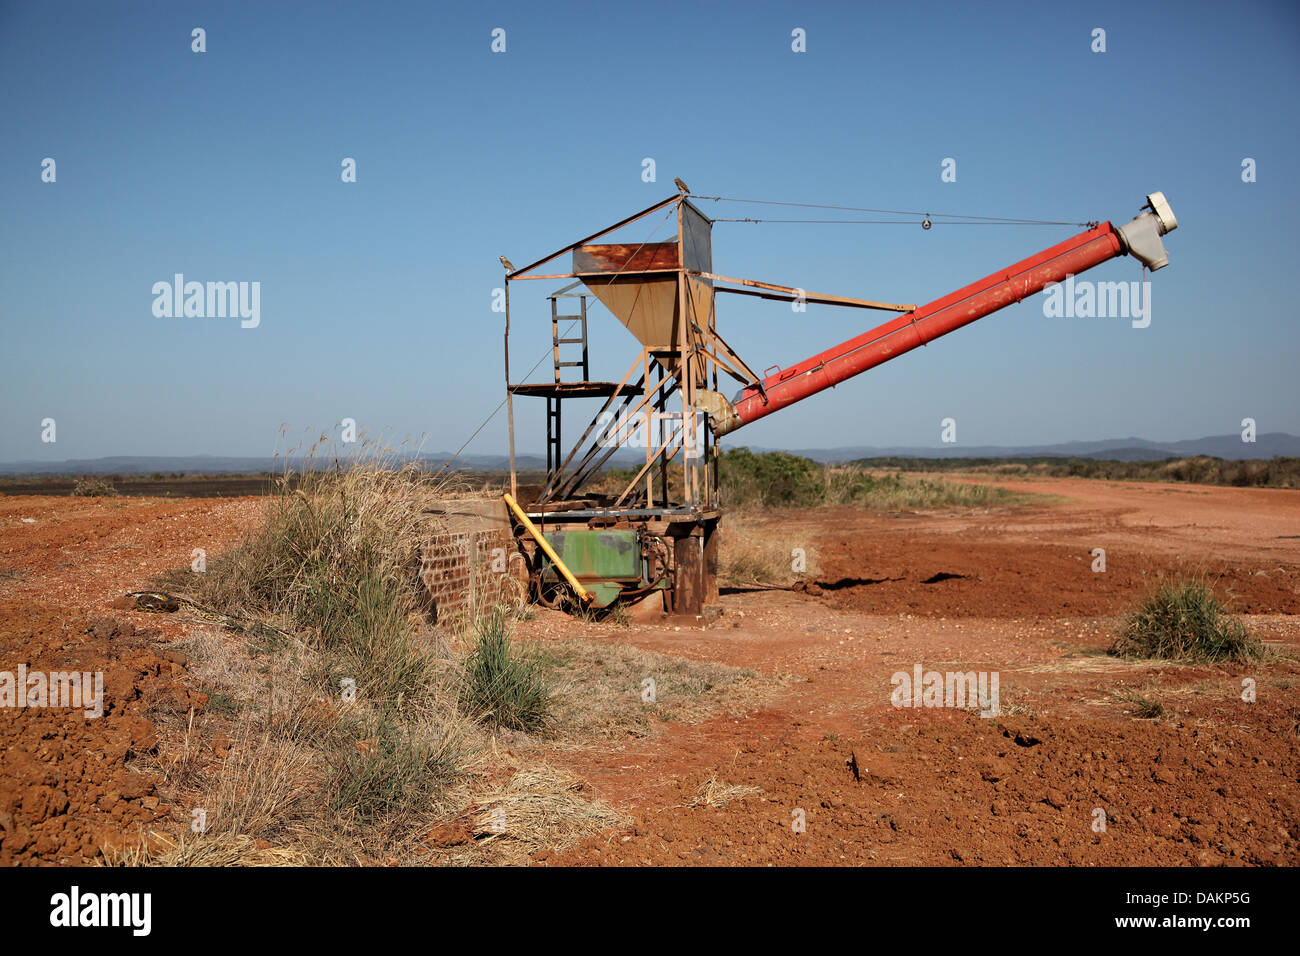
<point x="500" y="686"/>
<point x="385" y="772"/>
<point x="1185" y="621"/>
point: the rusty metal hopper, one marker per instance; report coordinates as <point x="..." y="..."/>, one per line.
<point x="638" y="283"/>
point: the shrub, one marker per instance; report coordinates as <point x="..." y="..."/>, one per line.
<point x="94" y="488"/>
<point x="1183" y="620"/>
<point x="777" y="480"/>
<point x="772" y="479"/>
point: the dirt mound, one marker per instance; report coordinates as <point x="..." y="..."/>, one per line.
<point x="954" y="576"/>
<point x="66" y="790"/>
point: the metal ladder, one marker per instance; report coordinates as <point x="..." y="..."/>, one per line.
<point x="554" y="449"/>
<point x="556" y="319"/>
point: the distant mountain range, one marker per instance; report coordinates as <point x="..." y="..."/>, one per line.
<point x="1268" y="445"/>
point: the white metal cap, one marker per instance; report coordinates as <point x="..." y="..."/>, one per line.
<point x="1164" y="212"/>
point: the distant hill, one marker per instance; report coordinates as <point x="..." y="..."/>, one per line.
<point x="1231" y="447"/>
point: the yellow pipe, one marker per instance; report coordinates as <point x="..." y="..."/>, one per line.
<point x="583" y="593"/>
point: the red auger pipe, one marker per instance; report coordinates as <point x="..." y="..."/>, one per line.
<point x="927" y="323"/>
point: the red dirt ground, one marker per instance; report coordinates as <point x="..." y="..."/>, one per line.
<point x="1012" y="591"/>
<point x="1214" y="782"/>
<point x="66" y="787"/>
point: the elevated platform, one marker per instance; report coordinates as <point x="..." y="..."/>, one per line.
<point x="572" y="389"/>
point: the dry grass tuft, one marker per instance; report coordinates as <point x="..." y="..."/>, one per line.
<point x="1142" y="706"/>
<point x="752" y="552"/>
<point x="91" y="487"/>
<point x="714" y="793"/>
<point x="1012" y="704"/>
<point x="539" y="807"/>
<point x="193" y="849"/>
<point x="600" y="689"/>
<point x="337" y="560"/>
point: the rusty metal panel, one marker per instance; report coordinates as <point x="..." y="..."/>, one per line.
<point x="626" y="257"/>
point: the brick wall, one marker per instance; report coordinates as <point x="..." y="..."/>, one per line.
<point x="462" y="571"/>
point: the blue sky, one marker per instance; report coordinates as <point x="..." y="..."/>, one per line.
<point x="376" y="295"/>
